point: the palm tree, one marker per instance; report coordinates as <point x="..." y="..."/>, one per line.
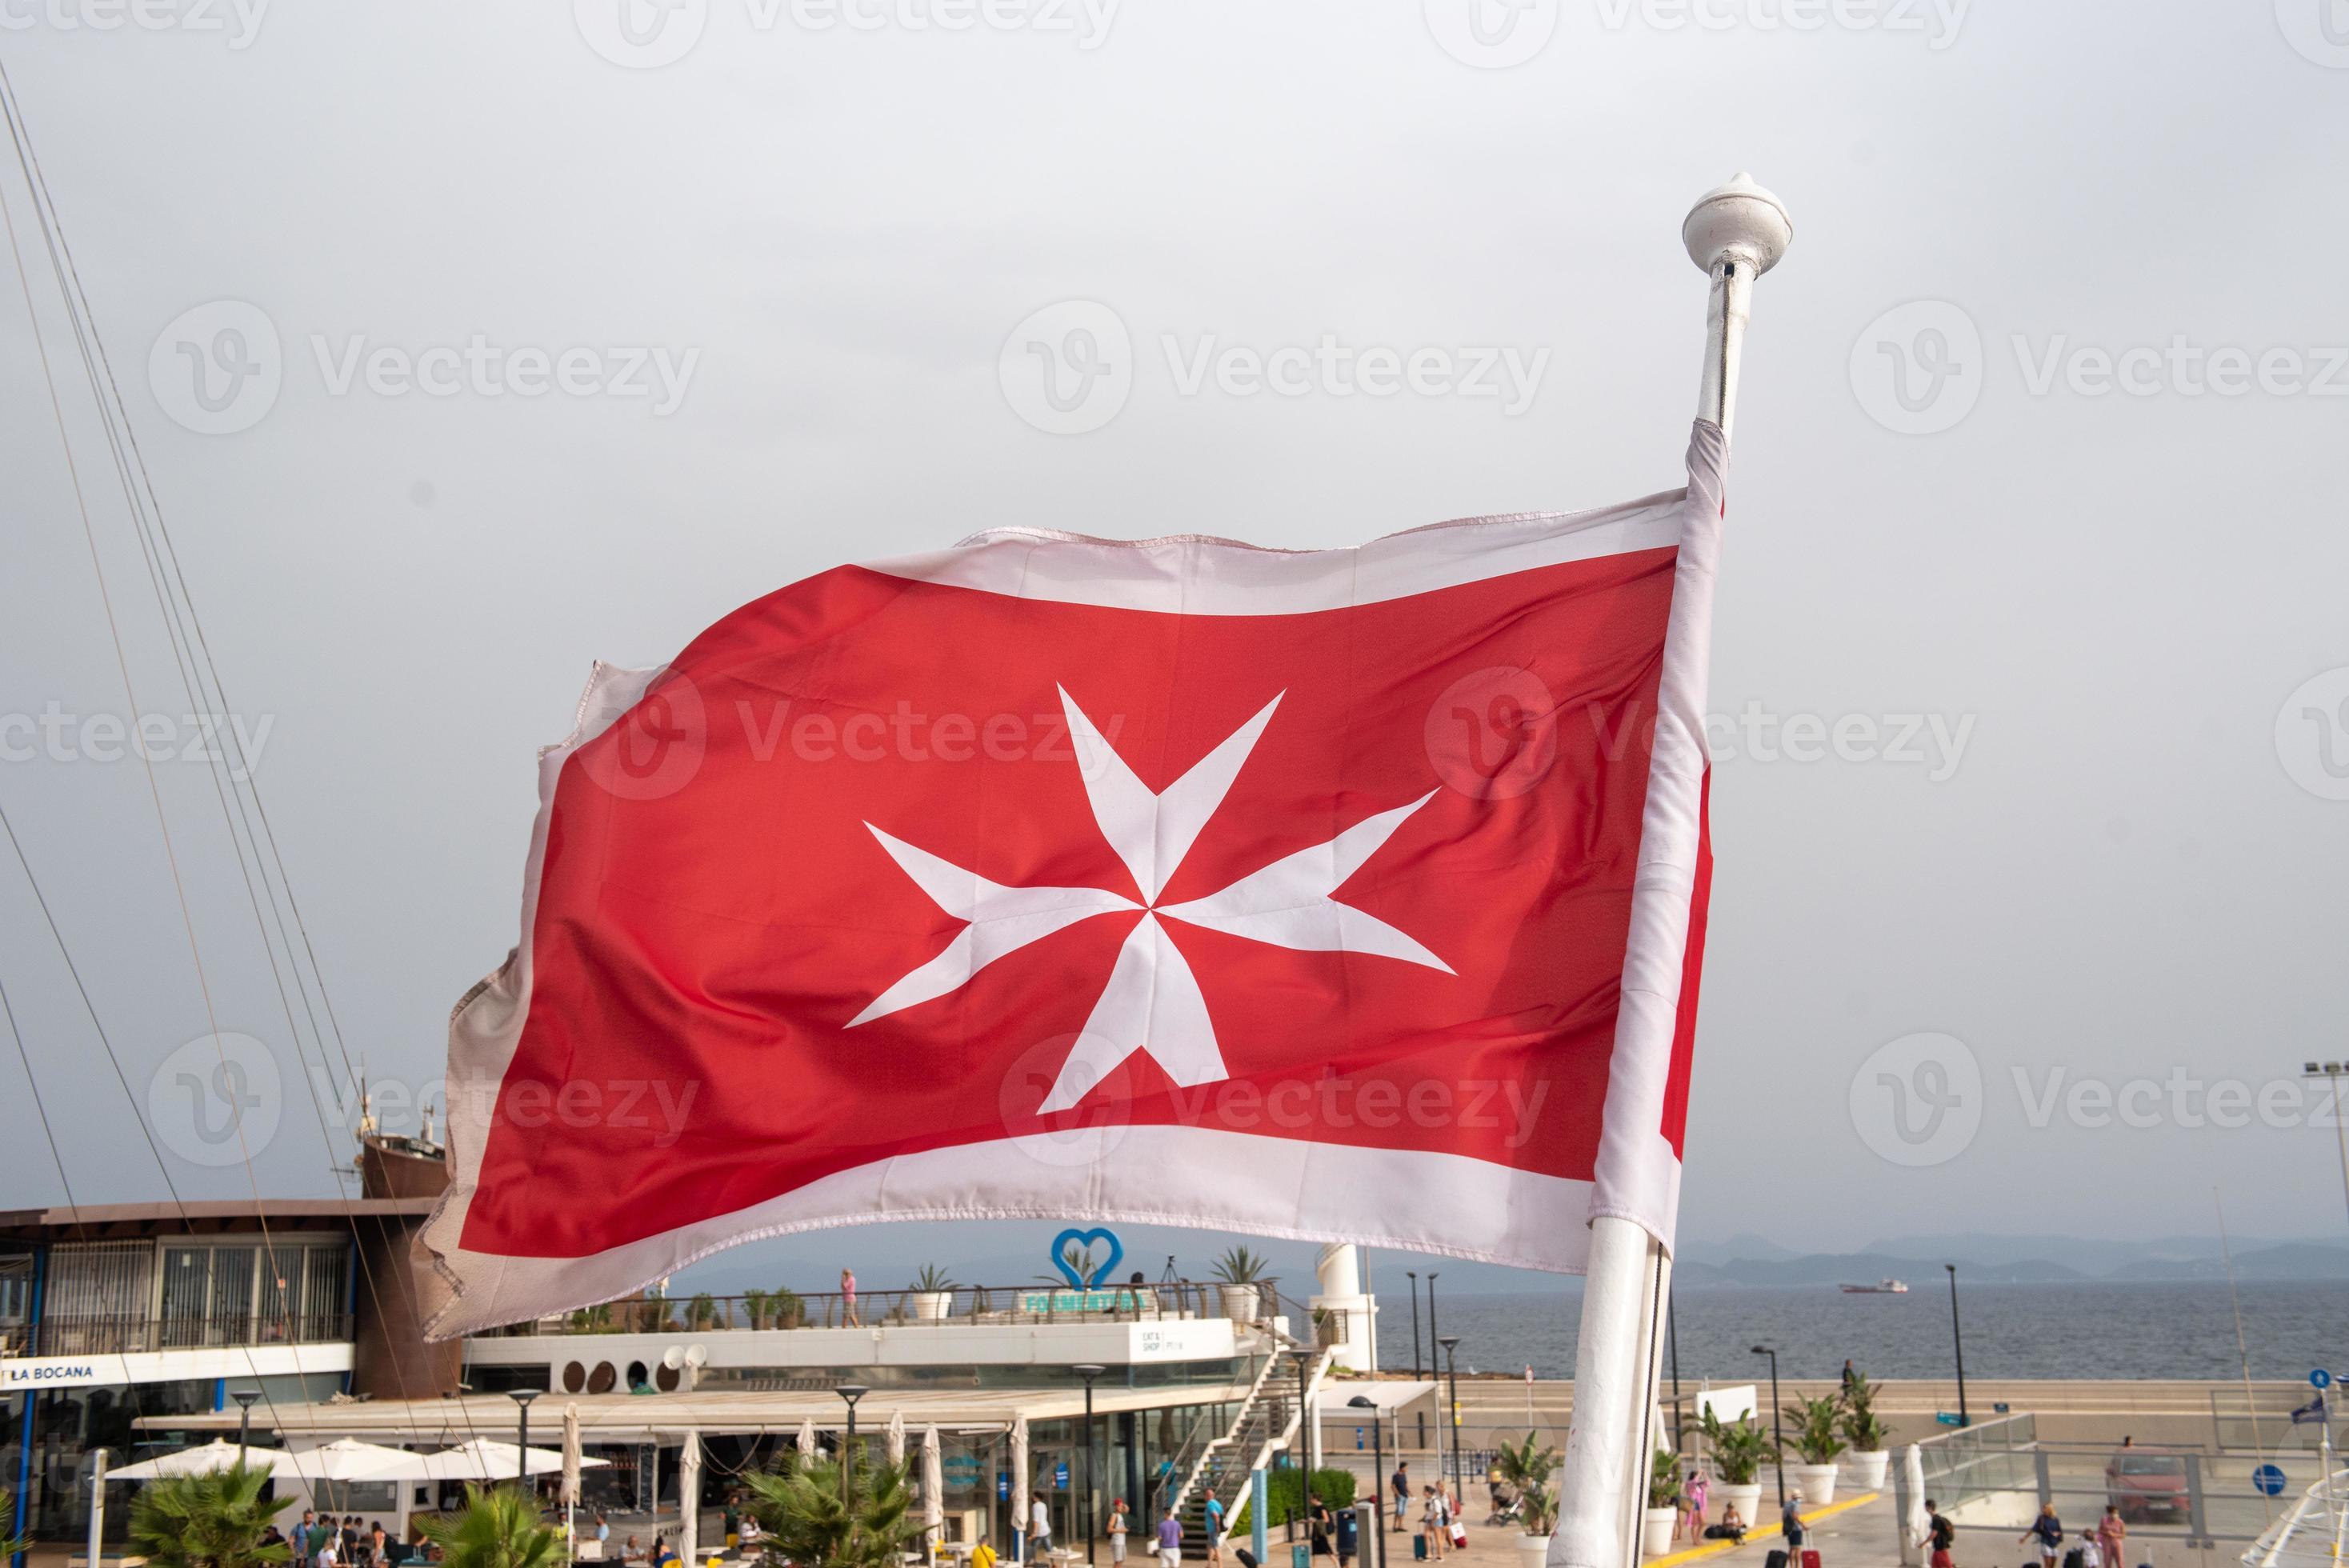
<point x="210" y="1520"/>
<point x="10" y="1542"/>
<point x="498" y="1528"/>
<point x="814" y="1524"/>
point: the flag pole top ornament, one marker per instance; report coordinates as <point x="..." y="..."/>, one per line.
<point x="1738" y="221"/>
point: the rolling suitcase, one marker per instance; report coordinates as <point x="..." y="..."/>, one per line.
<point x="1810" y="1557"/>
<point x="1777" y="1559"/>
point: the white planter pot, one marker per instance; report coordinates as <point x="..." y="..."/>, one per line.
<point x="1815" y="1482"/>
<point x="1864" y="1472"/>
<point x="932" y="1306"/>
<point x="1533" y="1550"/>
<point x="1656" y="1532"/>
<point x="1745" y="1499"/>
<point x="1240" y="1303"/>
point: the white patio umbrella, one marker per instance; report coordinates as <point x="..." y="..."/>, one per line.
<point x="1020" y="1481"/>
<point x="485" y="1459"/>
<point x="896" y="1437"/>
<point x="1915" y="1526"/>
<point x="572" y="1462"/>
<point x="934" y="1487"/>
<point x="212" y="1456"/>
<point x="807" y="1438"/>
<point x="348" y="1458"/>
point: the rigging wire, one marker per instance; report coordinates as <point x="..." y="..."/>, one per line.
<point x="186" y="653"/>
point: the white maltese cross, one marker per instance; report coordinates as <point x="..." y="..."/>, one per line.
<point x="1151" y="1002"/>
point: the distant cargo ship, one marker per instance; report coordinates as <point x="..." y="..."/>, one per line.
<point x="1881" y="1288"/>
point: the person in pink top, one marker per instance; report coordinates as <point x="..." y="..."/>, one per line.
<point x="848" y="1297"/>
<point x="1696" y="1493"/>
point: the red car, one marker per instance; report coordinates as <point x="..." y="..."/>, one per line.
<point x="2142" y="1483"/>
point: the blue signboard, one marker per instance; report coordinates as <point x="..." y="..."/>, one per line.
<point x="1074" y="1256"/>
<point x="1060" y="1476"/>
<point x="2269" y="1480"/>
<point x="2320" y="1379"/>
<point x="1949" y="1417"/>
<point x="1003" y="1484"/>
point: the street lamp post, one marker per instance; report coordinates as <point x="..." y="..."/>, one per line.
<point x="1451" y="1342"/>
<point x="1777" y="1422"/>
<point x="1378" y="1481"/>
<point x="1412" y="1275"/>
<point x="1957" y="1339"/>
<point x="1089" y="1372"/>
<point x="2335" y="1073"/>
<point x="1435" y="1369"/>
<point x="852" y="1392"/>
<point x="522" y="1397"/>
<point x="244" y="1399"/>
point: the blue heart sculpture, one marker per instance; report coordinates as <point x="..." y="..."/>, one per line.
<point x="1086" y="1239"/>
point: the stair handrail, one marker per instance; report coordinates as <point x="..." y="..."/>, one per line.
<point x="1230" y="1435"/>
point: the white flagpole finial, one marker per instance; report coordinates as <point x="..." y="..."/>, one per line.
<point x="1737" y="221"/>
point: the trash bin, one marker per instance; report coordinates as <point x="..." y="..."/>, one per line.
<point x="1349" y="1534"/>
<point x="1300" y="1554"/>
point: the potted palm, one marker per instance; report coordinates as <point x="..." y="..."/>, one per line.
<point x="1525" y="1469"/>
<point x="933" y="1294"/>
<point x="814" y="1514"/>
<point x="498" y="1528"/>
<point x="1737" y="1450"/>
<point x="1865" y="1430"/>
<point x="209" y="1521"/>
<point x="1663" y="1509"/>
<point x="1238" y="1271"/>
<point x="1816" y="1444"/>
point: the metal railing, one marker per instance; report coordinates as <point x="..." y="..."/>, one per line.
<point x="962" y="1305"/>
<point x="135" y="1335"/>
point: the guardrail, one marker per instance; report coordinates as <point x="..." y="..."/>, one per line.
<point x="139" y="1336"/>
<point x="958" y="1305"/>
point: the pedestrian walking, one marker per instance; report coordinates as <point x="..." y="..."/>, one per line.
<point x="1433" y="1525"/>
<point x="1170" y="1541"/>
<point x="2048" y="1531"/>
<point x="1039" y="1529"/>
<point x="1790" y="1525"/>
<point x="1213" y="1518"/>
<point x="1117" y="1529"/>
<point x="848" y="1297"/>
<point x="1401" y="1486"/>
<point x="1941" y="1537"/>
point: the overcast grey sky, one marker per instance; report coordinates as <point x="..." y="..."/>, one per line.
<point x="2049" y="640"/>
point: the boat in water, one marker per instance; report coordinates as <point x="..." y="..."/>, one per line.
<point x="1881" y="1288"/>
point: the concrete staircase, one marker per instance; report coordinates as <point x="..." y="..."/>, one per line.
<point x="1267" y="1423"/>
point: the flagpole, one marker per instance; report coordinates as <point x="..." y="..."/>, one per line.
<point x="1736" y="232"/>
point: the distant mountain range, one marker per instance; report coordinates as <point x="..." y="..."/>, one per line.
<point x="2017" y="1260"/>
<point x="1015" y="1253"/>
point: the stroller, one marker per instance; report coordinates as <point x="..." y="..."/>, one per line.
<point x="1507" y="1509"/>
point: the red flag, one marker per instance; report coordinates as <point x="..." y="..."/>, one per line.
<point x="1340" y="894"/>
